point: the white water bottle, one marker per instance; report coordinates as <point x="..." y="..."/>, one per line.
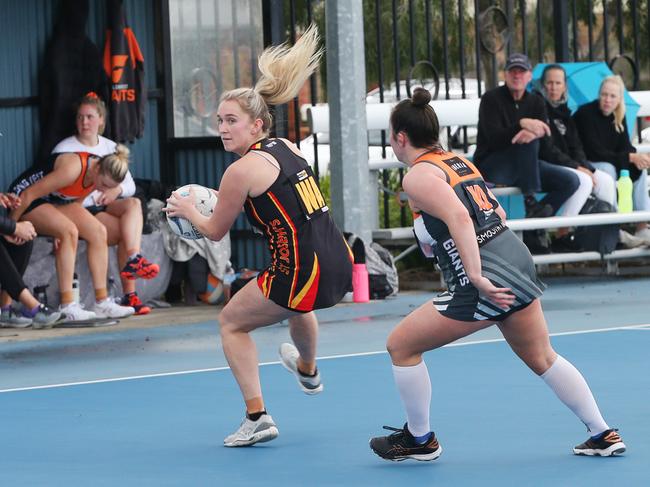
<point x="75" y="288"/>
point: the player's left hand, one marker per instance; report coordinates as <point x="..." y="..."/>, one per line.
<point x="9" y="200"/>
<point x="180" y="206"/>
<point x="108" y="196"/>
<point x="501" y="296"/>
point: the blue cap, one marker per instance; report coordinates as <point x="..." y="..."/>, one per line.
<point x="518" y="60"/>
<point x="625" y="173"/>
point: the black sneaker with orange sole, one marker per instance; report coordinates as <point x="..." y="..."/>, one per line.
<point x="401" y="445"/>
<point x="133" y="300"/>
<point x="139" y="267"/>
<point x="607" y="444"/>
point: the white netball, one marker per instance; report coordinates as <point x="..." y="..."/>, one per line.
<point x="204" y="200"/>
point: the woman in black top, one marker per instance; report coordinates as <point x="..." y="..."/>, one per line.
<point x="564" y="148"/>
<point x="603" y="131"/>
<point x="311" y="264"/>
<point x="15" y="250"/>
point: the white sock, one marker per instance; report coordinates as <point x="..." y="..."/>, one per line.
<point x="414" y="388"/>
<point x="572" y="389"/>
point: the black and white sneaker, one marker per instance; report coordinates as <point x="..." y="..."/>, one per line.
<point x="45" y="317"/>
<point x="607" y="444"/>
<point x="401" y="445"/>
<point x="310" y="384"/>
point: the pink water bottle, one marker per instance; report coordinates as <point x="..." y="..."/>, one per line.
<point x="360" y="283"/>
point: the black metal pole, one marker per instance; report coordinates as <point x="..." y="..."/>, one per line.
<point x="561" y="26"/>
<point x="477" y="46"/>
<point x="605" y="31"/>
<point x="273" y="15"/>
<point x="540" y="41"/>
<point x="524" y="27"/>
<point x="574" y="25"/>
<point x="380" y="64"/>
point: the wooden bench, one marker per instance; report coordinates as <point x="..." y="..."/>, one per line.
<point x="464" y="112"/>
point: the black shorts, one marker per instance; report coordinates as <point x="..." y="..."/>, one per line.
<point x="95" y="209"/>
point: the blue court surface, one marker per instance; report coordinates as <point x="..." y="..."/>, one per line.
<point x="151" y="407"/>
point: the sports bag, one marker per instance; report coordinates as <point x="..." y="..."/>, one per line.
<point x="601" y="238"/>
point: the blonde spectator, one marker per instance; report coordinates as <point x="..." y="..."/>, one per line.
<point x="603" y="131"/>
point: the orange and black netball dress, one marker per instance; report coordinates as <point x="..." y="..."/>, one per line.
<point x="505" y="260"/>
<point x="311" y="264"/>
<point x="62" y="196"/>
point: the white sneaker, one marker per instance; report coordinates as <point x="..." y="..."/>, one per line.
<point x="630" y="241"/>
<point x="251" y="432"/>
<point x="75" y="312"/>
<point x="289" y="357"/>
<point x="108" y="308"/>
<point x="644" y="235"/>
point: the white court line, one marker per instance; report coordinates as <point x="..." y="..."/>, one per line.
<point x="329" y="357"/>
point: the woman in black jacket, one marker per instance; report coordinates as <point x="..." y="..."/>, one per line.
<point x="15" y="249"/>
<point x="564" y="148"/>
<point x="603" y="132"/>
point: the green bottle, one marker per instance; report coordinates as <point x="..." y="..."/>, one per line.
<point x="624" y="188"/>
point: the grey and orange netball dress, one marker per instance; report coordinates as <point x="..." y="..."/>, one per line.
<point x="311" y="263"/>
<point x="505" y="260"/>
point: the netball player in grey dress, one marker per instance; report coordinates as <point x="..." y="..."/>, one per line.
<point x="491" y="279"/>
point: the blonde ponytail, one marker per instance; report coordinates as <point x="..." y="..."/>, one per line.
<point x="284" y="69"/>
<point x="116" y="165"/>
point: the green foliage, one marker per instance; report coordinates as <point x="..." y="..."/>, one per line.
<point x="325" y="183"/>
<point x="398" y="214"/>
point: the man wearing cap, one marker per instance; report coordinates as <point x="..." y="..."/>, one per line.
<point x="510" y="125"/>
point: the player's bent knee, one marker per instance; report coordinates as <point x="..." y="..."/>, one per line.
<point x="540" y="362"/>
<point x="226" y="322"/>
<point x="132" y="204"/>
<point x="395" y="349"/>
<point x="67" y="232"/>
<point x="97" y="233"/>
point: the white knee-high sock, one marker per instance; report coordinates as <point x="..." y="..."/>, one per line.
<point x="572" y="389"/>
<point x="414" y="388"/>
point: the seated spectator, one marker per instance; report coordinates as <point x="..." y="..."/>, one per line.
<point x="564" y="148"/>
<point x="603" y="131"/>
<point x="511" y="122"/>
<point x="15" y="249"/>
<point x="51" y="196"/>
<point x="118" y="211"/>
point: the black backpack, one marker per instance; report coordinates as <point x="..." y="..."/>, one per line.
<point x="601" y="238"/>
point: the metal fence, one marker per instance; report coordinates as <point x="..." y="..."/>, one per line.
<point x="458" y="48"/>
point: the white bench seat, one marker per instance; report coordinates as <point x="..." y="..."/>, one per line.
<point x="519" y="225"/>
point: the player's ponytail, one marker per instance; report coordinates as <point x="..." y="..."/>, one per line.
<point x="417" y="119"/>
<point x="284" y="69"/>
<point x="116" y="165"/>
